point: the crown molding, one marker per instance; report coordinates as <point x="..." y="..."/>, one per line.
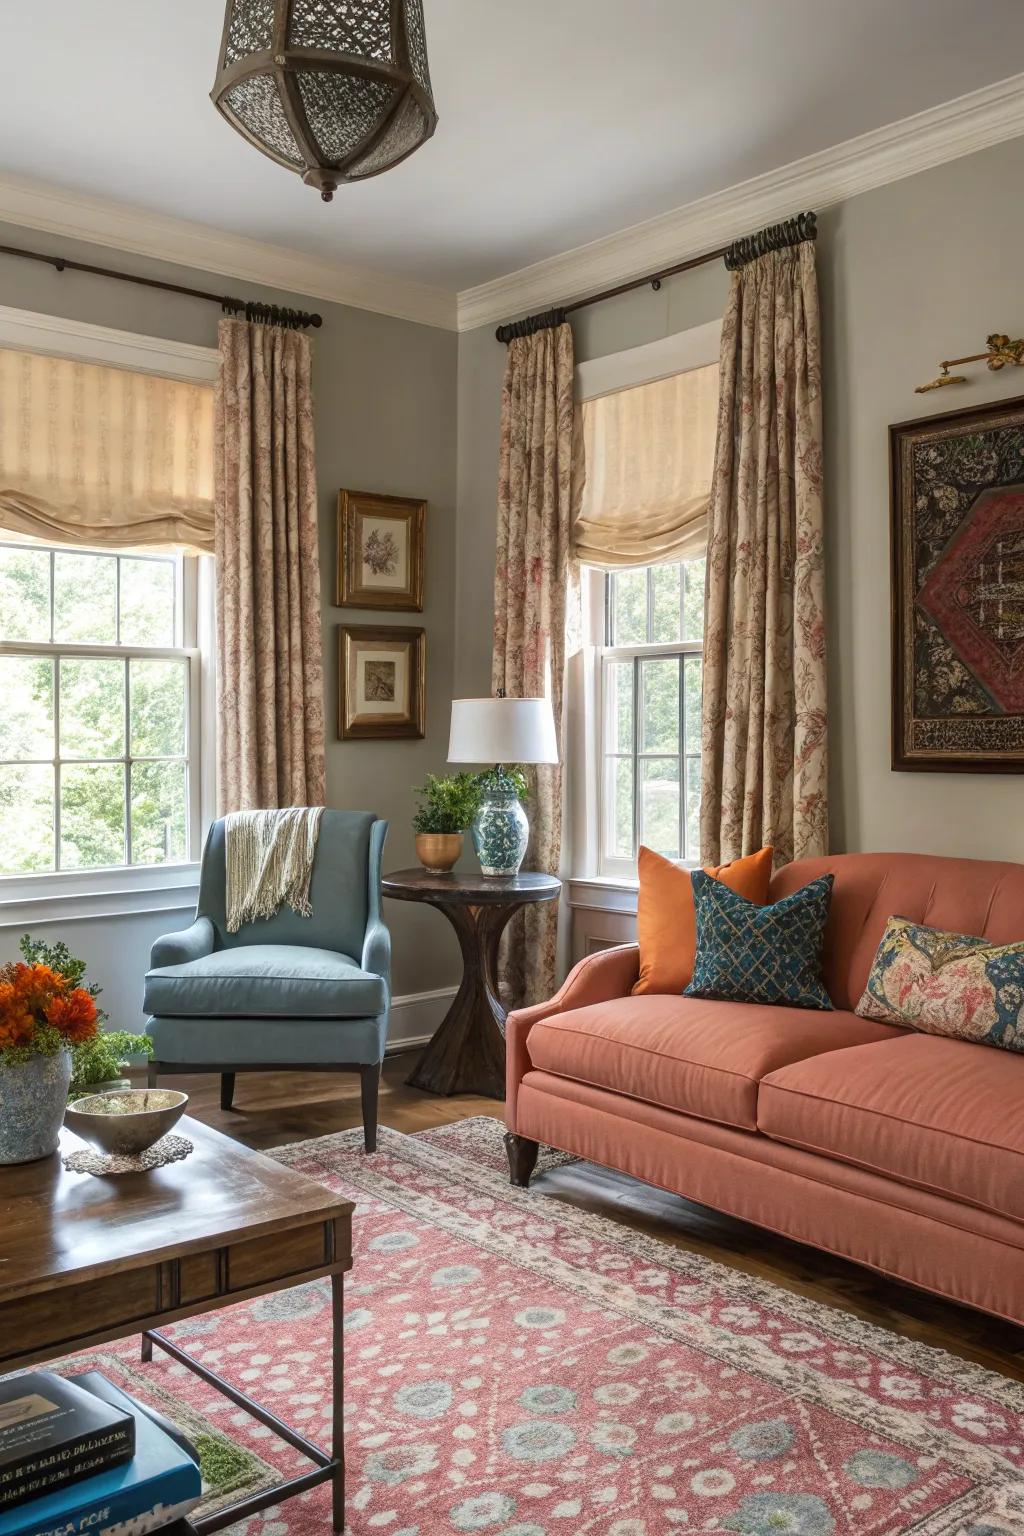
<point x="102" y="221"/>
<point x="947" y="132"/>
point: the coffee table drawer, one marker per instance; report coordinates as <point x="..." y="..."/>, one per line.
<point x="55" y="1317"/>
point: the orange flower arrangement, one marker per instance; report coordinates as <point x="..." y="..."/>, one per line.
<point x="42" y="1011"/>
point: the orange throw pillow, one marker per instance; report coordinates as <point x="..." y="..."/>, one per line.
<point x="666" y="924"/>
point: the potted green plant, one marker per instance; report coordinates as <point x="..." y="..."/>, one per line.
<point x="447" y="806"/>
<point x="100" y="1065"/>
<point x="45" y="1012"/>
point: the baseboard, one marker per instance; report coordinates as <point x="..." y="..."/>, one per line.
<point x="416" y="1015"/>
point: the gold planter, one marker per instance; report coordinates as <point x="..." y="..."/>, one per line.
<point x="438" y="851"/>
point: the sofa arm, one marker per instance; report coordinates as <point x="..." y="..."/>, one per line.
<point x="377" y="951"/>
<point x="178" y="948"/>
<point x="599" y="978"/>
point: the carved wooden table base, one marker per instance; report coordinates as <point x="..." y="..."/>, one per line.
<point x="467" y="1053"/>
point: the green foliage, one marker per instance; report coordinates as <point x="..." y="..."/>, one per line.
<point x="446" y="804"/>
<point x="94" y="723"/>
<point x="103" y="1058"/>
<point x="506" y="776"/>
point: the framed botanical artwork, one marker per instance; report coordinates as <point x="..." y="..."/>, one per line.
<point x="958" y="590"/>
<point x="382" y="682"/>
<point x="380" y="551"/>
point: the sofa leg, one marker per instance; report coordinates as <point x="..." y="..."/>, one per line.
<point x="522" y="1158"/>
<point x="152" y="1073"/>
<point x="369" y="1082"/>
<point x="227" y="1089"/>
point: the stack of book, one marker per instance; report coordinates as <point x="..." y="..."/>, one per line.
<point x="79" y="1457"/>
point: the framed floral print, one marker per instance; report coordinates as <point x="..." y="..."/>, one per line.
<point x="382" y="682"/>
<point x="958" y="590"/>
<point x="380" y="551"/>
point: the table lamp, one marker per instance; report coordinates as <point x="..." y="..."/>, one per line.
<point x="499" y="731"/>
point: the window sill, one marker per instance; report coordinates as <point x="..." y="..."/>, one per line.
<point x="70" y="895"/>
<point x="603" y="893"/>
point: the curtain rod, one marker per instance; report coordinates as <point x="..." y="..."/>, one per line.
<point x="262" y="314"/>
<point x="777" y="236"/>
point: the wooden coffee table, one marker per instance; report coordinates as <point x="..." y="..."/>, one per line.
<point x="84" y="1260"/>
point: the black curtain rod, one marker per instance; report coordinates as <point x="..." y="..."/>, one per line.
<point x="777" y="236"/>
<point x="261" y="314"/>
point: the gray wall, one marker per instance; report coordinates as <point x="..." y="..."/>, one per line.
<point x="385" y="395"/>
<point x="909" y="274"/>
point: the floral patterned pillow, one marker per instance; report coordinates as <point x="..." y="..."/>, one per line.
<point x="947" y="984"/>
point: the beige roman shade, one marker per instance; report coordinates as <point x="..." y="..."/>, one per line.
<point x="97" y="455"/>
<point x="649" y="453"/>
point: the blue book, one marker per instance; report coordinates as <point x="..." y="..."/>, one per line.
<point x="158" y="1486"/>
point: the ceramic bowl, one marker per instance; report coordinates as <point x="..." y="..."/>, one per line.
<point x="125" y="1121"/>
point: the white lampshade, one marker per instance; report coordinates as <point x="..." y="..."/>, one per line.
<point x="502" y="731"/>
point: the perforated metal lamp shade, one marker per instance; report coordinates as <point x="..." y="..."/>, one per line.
<point x="336" y="90"/>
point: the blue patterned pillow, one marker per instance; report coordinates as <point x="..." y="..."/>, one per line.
<point x="752" y="954"/>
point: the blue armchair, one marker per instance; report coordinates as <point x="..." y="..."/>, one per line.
<point x="290" y="993"/>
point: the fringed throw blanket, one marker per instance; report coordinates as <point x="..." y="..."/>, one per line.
<point x="269" y="856"/>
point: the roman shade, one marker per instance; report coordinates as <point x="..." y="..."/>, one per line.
<point x="649" y="454"/>
<point x="104" y="456"/>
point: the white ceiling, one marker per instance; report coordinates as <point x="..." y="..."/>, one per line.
<point x="561" y="121"/>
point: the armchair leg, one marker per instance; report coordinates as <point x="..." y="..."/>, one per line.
<point x="151" y="1075"/>
<point x="522" y="1158"/>
<point x="227" y="1089"/>
<point x="369" y="1080"/>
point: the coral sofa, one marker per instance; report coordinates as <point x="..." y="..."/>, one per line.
<point x="899" y="1150"/>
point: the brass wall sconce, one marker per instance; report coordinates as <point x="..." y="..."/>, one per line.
<point x="1001" y="351"/>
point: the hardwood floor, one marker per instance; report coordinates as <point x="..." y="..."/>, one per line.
<point x="273" y="1109"/>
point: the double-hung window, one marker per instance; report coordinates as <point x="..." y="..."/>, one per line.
<point x="648" y="428"/>
<point x="649" y="717"/>
<point x="98" y="709"/>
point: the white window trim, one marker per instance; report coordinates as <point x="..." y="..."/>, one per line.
<point x="589" y="886"/>
<point x="128" y="890"/>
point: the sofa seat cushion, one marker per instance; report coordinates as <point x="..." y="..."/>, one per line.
<point x="703" y="1057"/>
<point x="266" y="981"/>
<point x="939" y="1114"/>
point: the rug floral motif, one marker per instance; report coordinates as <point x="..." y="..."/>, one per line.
<point x="516" y="1367"/>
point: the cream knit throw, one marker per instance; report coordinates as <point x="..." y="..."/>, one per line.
<point x="269" y="857"/>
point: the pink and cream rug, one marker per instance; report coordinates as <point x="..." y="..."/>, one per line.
<point x="516" y="1367"/>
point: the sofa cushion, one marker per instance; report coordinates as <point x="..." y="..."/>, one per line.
<point x="666" y="925"/>
<point x="266" y="981"/>
<point x="702" y="1057"/>
<point x="940" y="1114"/>
<point x="760" y="954"/>
<point x="947" y="984"/>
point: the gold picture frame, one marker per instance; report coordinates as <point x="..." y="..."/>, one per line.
<point x="380" y="551"/>
<point x="382" y="682"/>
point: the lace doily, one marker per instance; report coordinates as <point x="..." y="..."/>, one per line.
<point x="169" y="1149"/>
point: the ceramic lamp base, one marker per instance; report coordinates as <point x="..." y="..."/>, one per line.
<point x="500" y="832"/>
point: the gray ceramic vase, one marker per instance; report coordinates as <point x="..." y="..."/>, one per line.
<point x="33" y="1097"/>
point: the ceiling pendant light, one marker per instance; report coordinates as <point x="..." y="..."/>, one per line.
<point x="336" y="90"/>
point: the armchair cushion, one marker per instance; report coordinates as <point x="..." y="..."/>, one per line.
<point x="266" y="981"/>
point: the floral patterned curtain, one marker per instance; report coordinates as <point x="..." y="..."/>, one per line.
<point x="270" y="713"/>
<point x="534" y="589"/>
<point x="764" y="735"/>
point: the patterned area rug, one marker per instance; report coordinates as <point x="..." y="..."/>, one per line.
<point x="516" y="1367"/>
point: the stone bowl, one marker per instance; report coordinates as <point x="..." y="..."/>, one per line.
<point x="125" y="1122"/>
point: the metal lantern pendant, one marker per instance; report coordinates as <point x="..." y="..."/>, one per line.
<point x="336" y="90"/>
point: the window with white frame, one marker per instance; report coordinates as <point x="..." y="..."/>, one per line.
<point x="649" y="715"/>
<point x="99" y="718"/>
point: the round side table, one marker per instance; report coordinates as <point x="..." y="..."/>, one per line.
<point x="467" y="1053"/>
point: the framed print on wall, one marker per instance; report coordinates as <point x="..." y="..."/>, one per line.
<point x="382" y="682"/>
<point x="380" y="551"/>
<point x="958" y="590"/>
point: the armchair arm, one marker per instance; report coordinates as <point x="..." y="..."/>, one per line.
<point x="178" y="948"/>
<point x="377" y="939"/>
<point x="598" y="978"/>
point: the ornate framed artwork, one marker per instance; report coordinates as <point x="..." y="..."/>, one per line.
<point x="382" y="682"/>
<point x="380" y="551"/>
<point x="958" y="590"/>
